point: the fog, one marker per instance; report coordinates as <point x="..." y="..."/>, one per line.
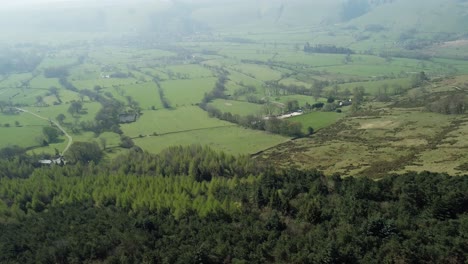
<point x="182" y="17"/>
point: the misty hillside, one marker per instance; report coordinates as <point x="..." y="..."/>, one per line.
<point x="430" y="15"/>
<point x="188" y="16"/>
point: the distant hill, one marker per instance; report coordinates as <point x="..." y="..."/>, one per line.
<point x="424" y="15"/>
<point x="183" y="17"/>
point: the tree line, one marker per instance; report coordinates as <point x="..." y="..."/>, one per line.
<point x="332" y="49"/>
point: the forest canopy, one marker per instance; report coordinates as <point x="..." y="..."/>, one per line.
<point x="193" y="204"/>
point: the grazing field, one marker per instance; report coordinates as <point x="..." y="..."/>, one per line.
<point x="187" y="92"/>
<point x="317" y="120"/>
<point x="24" y="136"/>
<point x="144" y="93"/>
<point x="170" y="121"/>
<point x="230" y="139"/>
<point x="238" y="107"/>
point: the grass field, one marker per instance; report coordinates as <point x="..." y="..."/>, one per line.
<point x="317" y="120"/>
<point x="232" y="139"/>
<point x="144" y="93"/>
<point x="167" y="121"/>
<point x="187" y="92"/>
<point x="238" y="107"/>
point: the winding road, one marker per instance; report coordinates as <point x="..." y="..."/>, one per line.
<point x="70" y="139"/>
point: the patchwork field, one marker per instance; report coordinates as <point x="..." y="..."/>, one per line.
<point x="266" y="69"/>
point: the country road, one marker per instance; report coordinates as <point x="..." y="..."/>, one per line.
<point x="70" y="139"/>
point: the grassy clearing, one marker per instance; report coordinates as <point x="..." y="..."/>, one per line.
<point x="317" y="120"/>
<point x="85" y="71"/>
<point x="244" y="79"/>
<point x="260" y="72"/>
<point x="103" y="82"/>
<point x="238" y="107"/>
<point x="15" y="80"/>
<point x="90" y="110"/>
<point x="144" y="93"/>
<point x="191" y="71"/>
<point x="187" y="92"/>
<point x="25" y="135"/>
<point x="233" y="140"/>
<point x="301" y="99"/>
<point x="42" y="82"/>
<point x="167" y="121"/>
<point x="21" y="136"/>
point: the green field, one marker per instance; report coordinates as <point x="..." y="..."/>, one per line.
<point x="317" y="120"/>
<point x="255" y="53"/>
<point x="187" y="92"/>
<point x="238" y="107"/>
<point x="230" y="139"/>
<point x="170" y="121"/>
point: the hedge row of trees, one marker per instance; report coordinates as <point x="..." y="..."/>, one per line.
<point x="332" y="49"/>
<point x="144" y="208"/>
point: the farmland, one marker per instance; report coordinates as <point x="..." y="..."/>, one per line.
<point x="171" y="87"/>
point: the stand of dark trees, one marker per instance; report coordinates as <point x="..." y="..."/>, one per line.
<point x="195" y="205"/>
<point x="332" y="49"/>
<point x="455" y="104"/>
<point x="162" y="96"/>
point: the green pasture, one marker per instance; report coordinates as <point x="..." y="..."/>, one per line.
<point x="27" y="132"/>
<point x="17" y="94"/>
<point x="372" y="87"/>
<point x="259" y="72"/>
<point x="42" y="82"/>
<point x="169" y="121"/>
<point x="15" y="80"/>
<point x="301" y="99"/>
<point x="25" y="136"/>
<point x="317" y="120"/>
<point x="292" y="81"/>
<point x="57" y="61"/>
<point x="191" y="71"/>
<point x="231" y="87"/>
<point x="232" y="140"/>
<point x="90" y="109"/>
<point x="238" y="107"/>
<point x="103" y="82"/>
<point x="145" y="93"/>
<point x="154" y="72"/>
<point x="310" y="59"/>
<point x="244" y="79"/>
<point x="247" y="52"/>
<point x="86" y="71"/>
<point x="187" y="92"/>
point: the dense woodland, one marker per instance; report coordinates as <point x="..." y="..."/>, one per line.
<point x="195" y="205"/>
